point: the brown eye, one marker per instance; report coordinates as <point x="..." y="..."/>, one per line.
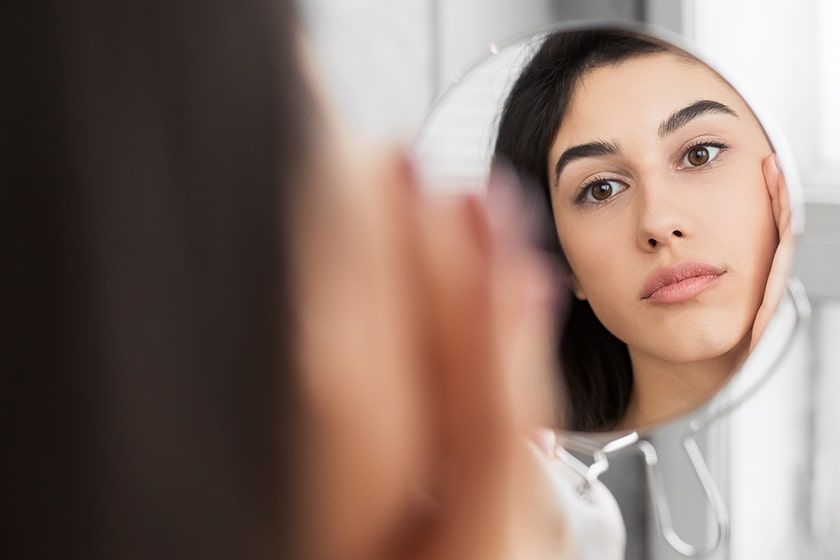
<point x="599" y="191"/>
<point x="700" y="155"/>
<point x="602" y="191"/>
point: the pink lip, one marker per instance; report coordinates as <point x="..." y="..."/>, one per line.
<point x="680" y="282"/>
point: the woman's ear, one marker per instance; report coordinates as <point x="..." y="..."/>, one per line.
<point x="578" y="289"/>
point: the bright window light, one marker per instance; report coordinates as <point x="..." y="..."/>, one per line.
<point x="828" y="81"/>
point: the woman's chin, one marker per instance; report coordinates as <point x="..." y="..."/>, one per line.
<point x="701" y="344"/>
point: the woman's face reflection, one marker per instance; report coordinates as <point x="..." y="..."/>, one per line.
<point x="662" y="165"/>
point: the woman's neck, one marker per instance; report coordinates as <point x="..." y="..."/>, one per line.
<point x="663" y="390"/>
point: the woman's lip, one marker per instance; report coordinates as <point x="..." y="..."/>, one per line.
<point x="680" y="282"/>
<point x="683" y="290"/>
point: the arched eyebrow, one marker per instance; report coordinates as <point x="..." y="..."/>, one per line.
<point x="590" y="149"/>
<point x="676" y="120"/>
<point x="683" y="116"/>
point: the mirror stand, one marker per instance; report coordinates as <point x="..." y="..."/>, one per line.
<point x="764" y="363"/>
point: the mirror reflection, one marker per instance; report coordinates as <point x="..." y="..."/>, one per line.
<point x="665" y="207"/>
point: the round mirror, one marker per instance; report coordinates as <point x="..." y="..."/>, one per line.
<point x="667" y="197"/>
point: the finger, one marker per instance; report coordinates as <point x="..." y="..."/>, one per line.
<point x="784" y="197"/>
<point x="525" y="292"/>
<point x="775" y="287"/>
<point x="472" y="416"/>
<point x="771" y="180"/>
<point x="782" y="260"/>
<point x="778" y="192"/>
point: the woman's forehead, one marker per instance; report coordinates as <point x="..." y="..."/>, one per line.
<point x="635" y="96"/>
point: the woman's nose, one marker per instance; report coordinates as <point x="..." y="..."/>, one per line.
<point x="663" y="216"/>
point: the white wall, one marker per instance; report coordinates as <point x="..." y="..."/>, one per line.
<point x="384" y="62"/>
<point x="771" y="47"/>
<point x="376" y="61"/>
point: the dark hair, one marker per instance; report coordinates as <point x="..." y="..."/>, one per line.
<point x="149" y="402"/>
<point x="595" y="365"/>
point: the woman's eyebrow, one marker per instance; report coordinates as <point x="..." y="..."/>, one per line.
<point x="590" y="149"/>
<point x="686" y="114"/>
<point x="676" y="120"/>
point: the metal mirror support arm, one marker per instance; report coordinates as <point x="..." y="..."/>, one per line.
<point x="660" y="499"/>
<point x="802" y="312"/>
<point x="658" y="494"/>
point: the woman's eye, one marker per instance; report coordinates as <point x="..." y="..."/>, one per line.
<point x="602" y="189"/>
<point x="700" y="155"/>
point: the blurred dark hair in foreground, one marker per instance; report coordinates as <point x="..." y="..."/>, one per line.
<point x="148" y="396"/>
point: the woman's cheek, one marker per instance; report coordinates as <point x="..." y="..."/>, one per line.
<point x="745" y="212"/>
<point x="737" y="218"/>
<point x="599" y="254"/>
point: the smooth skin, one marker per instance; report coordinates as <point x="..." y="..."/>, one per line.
<point x="702" y="187"/>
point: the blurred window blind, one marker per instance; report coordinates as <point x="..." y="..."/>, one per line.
<point x="454" y="148"/>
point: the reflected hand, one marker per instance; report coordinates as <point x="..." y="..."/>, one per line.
<point x="779" y="269"/>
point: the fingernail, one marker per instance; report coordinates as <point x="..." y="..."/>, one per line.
<point x="776" y="163"/>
